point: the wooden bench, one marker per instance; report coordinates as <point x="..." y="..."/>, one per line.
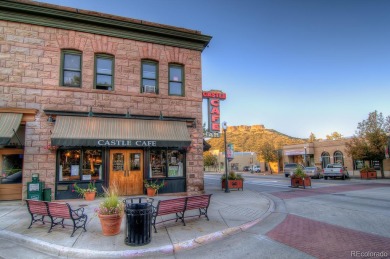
<point x="57" y="213"/>
<point x="179" y="206"/>
<point x="38" y="211"/>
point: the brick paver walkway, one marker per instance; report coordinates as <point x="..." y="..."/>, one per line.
<point x="326" y="190"/>
<point x="324" y="240"/>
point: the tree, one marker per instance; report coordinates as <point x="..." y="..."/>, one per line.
<point x="312" y="137"/>
<point x="370" y="139"/>
<point x="209" y="159"/>
<point x="334" y="136"/>
<point x="269" y="153"/>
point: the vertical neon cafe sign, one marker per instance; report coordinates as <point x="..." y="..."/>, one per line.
<point x="214" y="113"/>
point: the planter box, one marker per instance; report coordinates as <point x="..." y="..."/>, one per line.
<point x="296" y="182"/>
<point x="234" y="184"/>
<point x="368" y="175"/>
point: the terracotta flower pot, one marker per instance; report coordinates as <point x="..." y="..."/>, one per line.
<point x="111" y="224"/>
<point x="89" y="196"/>
<point x="151" y="191"/>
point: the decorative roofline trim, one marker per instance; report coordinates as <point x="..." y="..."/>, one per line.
<point x="92" y="22"/>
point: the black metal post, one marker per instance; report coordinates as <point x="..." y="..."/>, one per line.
<point x="305" y="158"/>
<point x="226" y="164"/>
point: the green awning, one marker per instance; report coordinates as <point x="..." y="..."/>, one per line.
<point x="9" y="124"/>
<point x="115" y="132"/>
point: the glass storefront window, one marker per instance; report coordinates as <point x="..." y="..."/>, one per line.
<point x="92" y="164"/>
<point x="77" y="164"/>
<point x="11" y="168"/>
<point x="325" y="159"/>
<point x="166" y="163"/>
<point x="338" y="158"/>
<point x="157" y="163"/>
<point x="175" y="163"/>
<point x="358" y="164"/>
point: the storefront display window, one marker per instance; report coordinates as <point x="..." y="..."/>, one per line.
<point x="11" y="168"/>
<point x="166" y="163"/>
<point x="157" y="163"/>
<point x="358" y="164"/>
<point x="80" y="164"/>
<point x="175" y="163"/>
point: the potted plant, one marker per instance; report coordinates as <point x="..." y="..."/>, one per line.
<point x="110" y="212"/>
<point x="367" y="173"/>
<point x="235" y="181"/>
<point x="88" y="193"/>
<point x="152" y="187"/>
<point x="299" y="178"/>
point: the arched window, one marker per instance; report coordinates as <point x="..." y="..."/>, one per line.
<point x="338" y="158"/>
<point x="325" y="159"/>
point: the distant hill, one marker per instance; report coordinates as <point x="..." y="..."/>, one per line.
<point x="251" y="138"/>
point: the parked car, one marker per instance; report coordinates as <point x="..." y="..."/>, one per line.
<point x="335" y="170"/>
<point x="256" y="169"/>
<point x="313" y="172"/>
<point x="289" y="169"/>
<point x="246" y="168"/>
<point x="13" y="178"/>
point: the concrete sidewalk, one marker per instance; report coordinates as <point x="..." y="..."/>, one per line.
<point x="229" y="213"/>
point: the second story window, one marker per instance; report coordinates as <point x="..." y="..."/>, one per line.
<point x="71" y="68"/>
<point x="149" y="77"/>
<point x="176" y="80"/>
<point x="104" y="72"/>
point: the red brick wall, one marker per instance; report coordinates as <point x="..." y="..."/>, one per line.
<point x="29" y="78"/>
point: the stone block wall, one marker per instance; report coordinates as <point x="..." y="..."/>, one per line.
<point x="30" y="59"/>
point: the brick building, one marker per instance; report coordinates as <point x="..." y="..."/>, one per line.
<point x="87" y="96"/>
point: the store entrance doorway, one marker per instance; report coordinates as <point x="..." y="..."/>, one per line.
<point x="126" y="171"/>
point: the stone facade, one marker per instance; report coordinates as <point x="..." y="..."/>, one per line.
<point x="30" y="57"/>
<point x="315" y="150"/>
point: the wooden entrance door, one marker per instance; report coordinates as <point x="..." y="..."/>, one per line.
<point x="126" y="171"/>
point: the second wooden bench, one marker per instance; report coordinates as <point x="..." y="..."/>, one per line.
<point x="179" y="206"/>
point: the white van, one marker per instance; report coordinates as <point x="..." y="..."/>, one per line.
<point x="256" y="169"/>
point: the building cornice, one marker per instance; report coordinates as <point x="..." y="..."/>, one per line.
<point x="103" y="24"/>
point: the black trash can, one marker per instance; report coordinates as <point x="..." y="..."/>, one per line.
<point x="47" y="194"/>
<point x="139" y="212"/>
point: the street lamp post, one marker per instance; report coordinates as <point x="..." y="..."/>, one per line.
<point x="224" y="127"/>
<point x="305" y="157"/>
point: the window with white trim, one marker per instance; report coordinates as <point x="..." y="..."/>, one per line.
<point x="104" y="72"/>
<point x="149" y="76"/>
<point x="71" y="68"/>
<point x="176" y="80"/>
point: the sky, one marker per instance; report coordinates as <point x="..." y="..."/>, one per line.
<point x="295" y="66"/>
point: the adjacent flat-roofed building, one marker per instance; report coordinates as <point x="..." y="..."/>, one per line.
<point x="87" y="96"/>
<point x="322" y="153"/>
